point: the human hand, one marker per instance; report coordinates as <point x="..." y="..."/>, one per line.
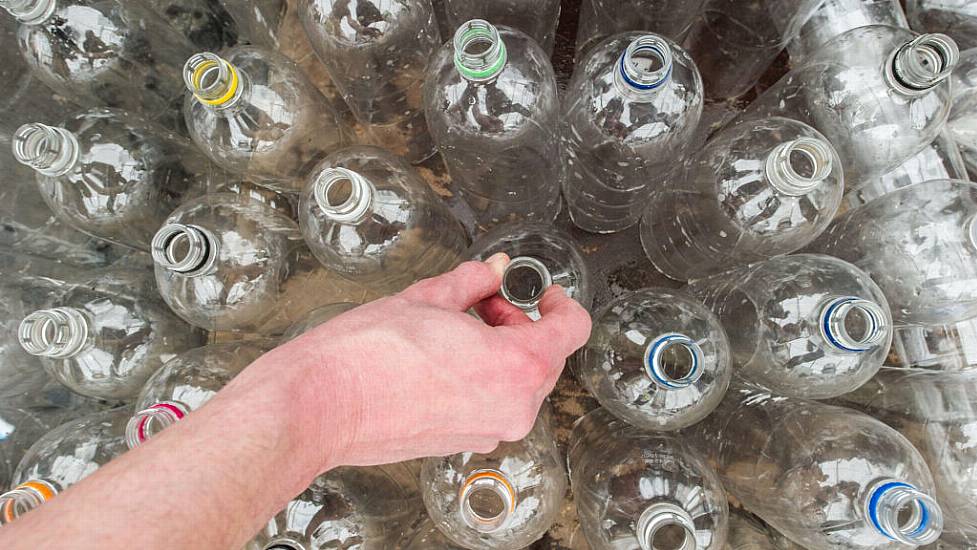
<point x="414" y="375"/>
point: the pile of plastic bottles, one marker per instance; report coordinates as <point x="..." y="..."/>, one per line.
<point x="179" y="197"/>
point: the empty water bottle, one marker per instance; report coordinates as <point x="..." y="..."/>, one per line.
<point x="541" y="256"/>
<point x="949" y="347"/>
<point x="316" y="317"/>
<point x="657" y="359"/>
<point x="826" y="477"/>
<point x="113" y="175"/>
<point x="957" y="18"/>
<point x="919" y="244"/>
<point x="427" y="537"/>
<point x="962" y="124"/>
<point x="62" y="457"/>
<point x="813" y="28"/>
<point x="113" y="53"/>
<point x="185" y="383"/>
<point x="807" y="326"/>
<point x="492" y="108"/>
<point x="537" y="18"/>
<point x="376" y="53"/>
<point x="255" y="113"/>
<point x="600" y="19"/>
<point x="639" y="491"/>
<point x="19" y="429"/>
<point x="630" y="112"/>
<point x="368" y="216"/>
<point x="758" y="189"/>
<point x="204" y="23"/>
<point x="258" y="22"/>
<point x="504" y="499"/>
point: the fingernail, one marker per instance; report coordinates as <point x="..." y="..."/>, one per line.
<point x="498" y="262"/>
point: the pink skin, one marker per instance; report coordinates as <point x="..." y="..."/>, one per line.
<point x="407" y="376"/>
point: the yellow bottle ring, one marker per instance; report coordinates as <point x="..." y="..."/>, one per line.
<point x="198" y="74"/>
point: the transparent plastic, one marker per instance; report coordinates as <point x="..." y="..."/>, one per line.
<point x="536" y="18"/>
<point x="427" y="537"/>
<point x="878" y="94"/>
<point x="657" y="359"/>
<point x="945" y="347"/>
<point x="19" y="429"/>
<point x="228" y="262"/>
<point x="540" y="256"/>
<point x="346" y="508"/>
<point x="113" y="175"/>
<point x="962" y="124"/>
<point x="830" y="18"/>
<point x="756" y="190"/>
<point x="640" y="491"/>
<point x="255" y="113"/>
<point x="747" y="532"/>
<point x="919" y="244"/>
<point x="204" y="23"/>
<point x="110" y="53"/>
<point x="376" y="52"/>
<point x="600" y="19"/>
<point x="957" y="18"/>
<point x="505" y="499"/>
<point x="937" y="411"/>
<point x="367" y="215"/>
<point x="807" y="326"/>
<point x="492" y="108"/>
<point x="104" y="337"/>
<point x="630" y="113"/>
<point x="316" y="317"/>
<point x="258" y="22"/>
<point x="62" y="457"/>
<point x="826" y="477"/>
<point x="185" y="383"/>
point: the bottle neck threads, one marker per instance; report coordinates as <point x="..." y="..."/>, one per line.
<point x="24" y="498"/>
<point x="480" y="53"/>
<point x="524" y="282"/>
<point x="852" y="324"/>
<point x="488" y="499"/>
<point x="187" y="250"/>
<point x="50" y="150"/>
<point x="922" y="63"/>
<point x="343" y="195"/>
<point x="151" y="420"/>
<point x="213" y="81"/>
<point x="645" y="65"/>
<point x="29" y="12"/>
<point x="55" y="333"/>
<point x="673" y="361"/>
<point x="901" y="512"/>
<point x="665" y="526"/>
<point x="799" y="166"/>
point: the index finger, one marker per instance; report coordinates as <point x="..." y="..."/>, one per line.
<point x="563" y="327"/>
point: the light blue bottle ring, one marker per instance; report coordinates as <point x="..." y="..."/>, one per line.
<point x="876" y="323"/>
<point x="873" y="508"/>
<point x="655" y="369"/>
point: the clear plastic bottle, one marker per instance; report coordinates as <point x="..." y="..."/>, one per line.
<point x="255" y="113"/>
<point x="640" y="491"/>
<point x="21" y="427"/>
<point x="230" y="263"/>
<point x="104" y="337"/>
<point x="62" y="457"/>
<point x="541" y="256"/>
<point x="112" y="53"/>
<point x="185" y="383"/>
<point x="937" y="411"/>
<point x="367" y="215"/>
<point x="807" y="325"/>
<point x="346" y="508"/>
<point x="657" y="359"/>
<point x="878" y="94"/>
<point x="756" y="190"/>
<point x="600" y="19"/>
<point x="258" y="22"/>
<point x="427" y="537"/>
<point x="630" y="112"/>
<point x="830" y="18"/>
<point x="536" y="18"/>
<point x="204" y="23"/>
<point x="376" y="52"/>
<point x="945" y="347"/>
<point x="962" y="124"/>
<point x="113" y="175"/>
<point x="826" y="477"/>
<point x="505" y="499"/>
<point x="747" y="532"/>
<point x="919" y="244"/>
<point x="493" y="110"/>
<point x="957" y="18"/>
<point x="316" y="317"/>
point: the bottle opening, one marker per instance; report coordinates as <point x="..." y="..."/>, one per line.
<point x="646" y="64"/>
<point x="796" y="167"/>
<point x="480" y="53"/>
<point x="24" y="498"/>
<point x="211" y="79"/>
<point x="524" y="282"/>
<point x="901" y="512"/>
<point x="56" y="333"/>
<point x="30" y="12"/>
<point x="673" y="361"/>
<point x="284" y="544"/>
<point x="150" y="421"/>
<point x="184" y="249"/>
<point x="922" y="63"/>
<point x="664" y="526"/>
<point x="853" y="324"/>
<point x="343" y="195"/>
<point x="488" y="499"/>
<point x="49" y="150"/>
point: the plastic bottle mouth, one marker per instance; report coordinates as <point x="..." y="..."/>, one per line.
<point x="212" y="80"/>
<point x="187" y="250"/>
<point x="673" y="361"/>
<point x="524" y="282"/>
<point x="24" y="498"/>
<point x="799" y="166"/>
<point x="488" y="500"/>
<point x="480" y="53"/>
<point x="664" y="526"/>
<point x="283" y="543"/>
<point x="343" y="195"/>
<point x="852" y="324"/>
<point x="29" y="12"/>
<point x="646" y="64"/>
<point x="56" y="333"/>
<point x="151" y="420"/>
<point x="50" y="150"/>
<point x="901" y="512"/>
<point x="919" y="65"/>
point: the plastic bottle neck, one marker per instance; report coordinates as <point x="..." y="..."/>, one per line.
<point x="673" y="361"/>
<point x="50" y="150"/>
<point x="151" y="420"/>
<point x="344" y="196"/>
<point x="186" y="250"/>
<point x="30" y="12"/>
<point x="901" y="512"/>
<point x="488" y="499"/>
<point x="797" y="167"/>
<point x="524" y="282"/>
<point x="852" y="324"/>
<point x="480" y="53"/>
<point x="920" y="64"/>
<point x="664" y="526"/>
<point x="283" y="543"/>
<point x="55" y="333"/>
<point x="644" y="67"/>
<point x="213" y="81"/>
<point x="24" y="498"/>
